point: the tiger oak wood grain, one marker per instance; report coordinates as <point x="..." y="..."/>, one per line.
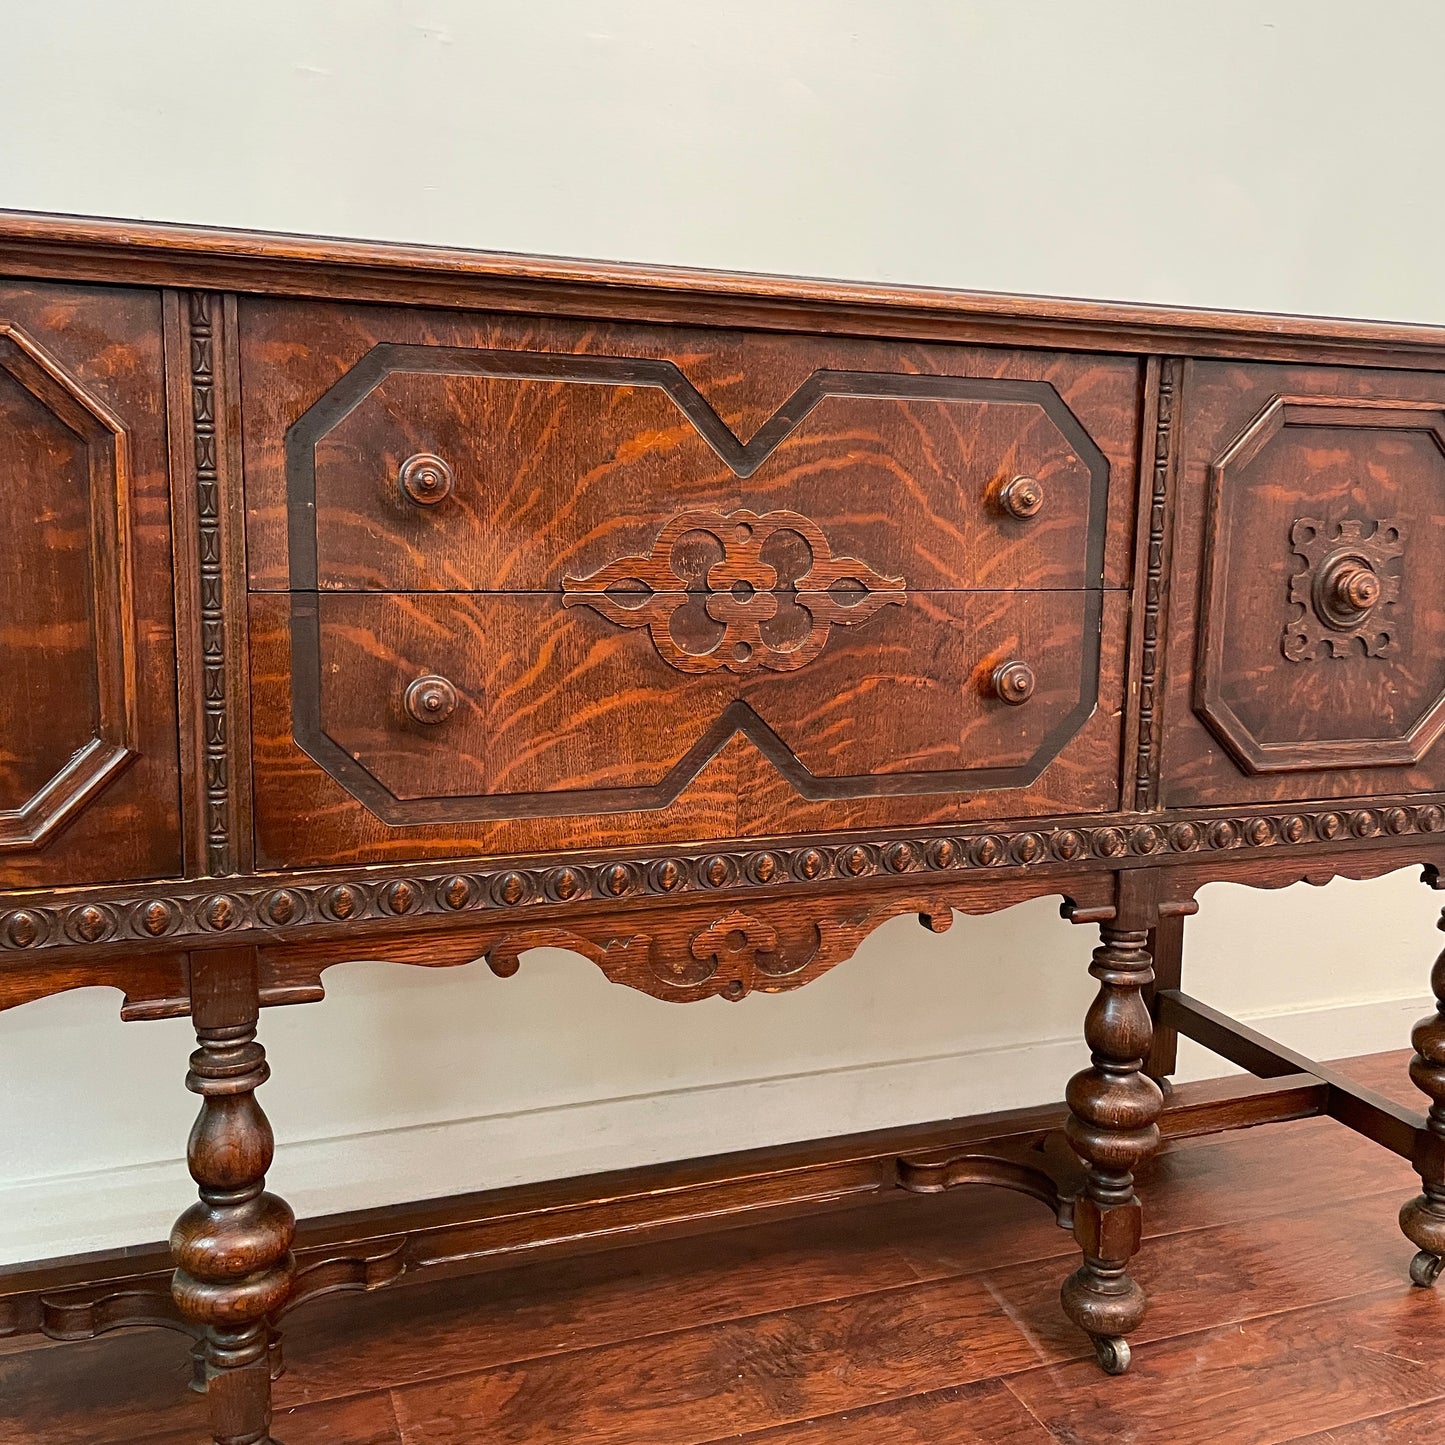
<point x="1367" y="450"/>
<point x="905" y="696"/>
<point x="158" y="253"/>
<point x="71" y="586"/>
<point x="557" y="477"/>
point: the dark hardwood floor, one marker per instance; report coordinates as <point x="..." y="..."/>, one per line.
<point x="1281" y="1312"/>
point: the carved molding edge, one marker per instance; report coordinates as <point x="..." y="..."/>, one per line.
<point x="212" y="583"/>
<point x="1156" y="554"/>
<point x="209" y="555"/>
<point x="166" y="912"/>
<point x="766" y="948"/>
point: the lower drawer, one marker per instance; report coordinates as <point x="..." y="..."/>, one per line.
<point x="414" y="724"/>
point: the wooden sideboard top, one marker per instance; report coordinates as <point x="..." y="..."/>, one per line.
<point x="89" y="248"/>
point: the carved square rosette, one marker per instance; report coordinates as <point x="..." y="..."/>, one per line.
<point x="1347" y="591"/>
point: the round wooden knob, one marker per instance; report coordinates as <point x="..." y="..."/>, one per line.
<point x="1013" y="682"/>
<point x="430" y="699"/>
<point x="425" y="479"/>
<point x="1346" y="590"/>
<point x="1021" y="498"/>
<point x="1357" y="588"/>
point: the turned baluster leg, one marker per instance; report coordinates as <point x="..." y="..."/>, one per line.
<point x="233" y="1247"/>
<point x="1423" y="1218"/>
<point x="1114" y="1107"/>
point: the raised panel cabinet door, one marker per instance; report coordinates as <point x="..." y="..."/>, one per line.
<point x="88" y="754"/>
<point x="1312" y="657"/>
<point x="521" y="585"/>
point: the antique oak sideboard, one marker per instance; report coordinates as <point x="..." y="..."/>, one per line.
<point x="400" y="603"/>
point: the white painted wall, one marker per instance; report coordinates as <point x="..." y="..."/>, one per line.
<point x="1238" y="153"/>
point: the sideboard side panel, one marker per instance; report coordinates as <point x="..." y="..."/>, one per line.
<point x="88" y="785"/>
<point x="1289" y="474"/>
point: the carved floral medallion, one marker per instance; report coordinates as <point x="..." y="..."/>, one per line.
<point x="737" y="590"/>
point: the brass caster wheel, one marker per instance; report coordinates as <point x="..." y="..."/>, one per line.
<point x="1112" y="1352"/>
<point x="1425" y="1269"/>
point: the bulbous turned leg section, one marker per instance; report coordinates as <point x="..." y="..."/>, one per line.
<point x="1113" y="1125"/>
<point x="233" y="1246"/>
<point x="1423" y="1218"/>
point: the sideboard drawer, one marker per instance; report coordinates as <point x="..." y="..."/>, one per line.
<point x="564" y="445"/>
<point x="514" y="469"/>
<point x="88" y="750"/>
<point x="435" y="707"/>
<point x="522" y="584"/>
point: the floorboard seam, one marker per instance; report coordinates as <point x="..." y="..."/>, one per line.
<point x="1383" y="1293"/>
<point x="1026" y="1407"/>
<point x="981" y="1274"/>
<point x="1384" y="1415"/>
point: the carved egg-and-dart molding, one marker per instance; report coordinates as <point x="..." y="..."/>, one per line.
<point x="712" y="564"/>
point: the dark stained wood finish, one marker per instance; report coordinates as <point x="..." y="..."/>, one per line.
<point x="863" y="712"/>
<point x="148" y="253"/>
<point x="1352" y="448"/>
<point x="233" y="1247"/>
<point x="903" y="699"/>
<point x="1423" y="1217"/>
<point x="208" y="518"/>
<point x="1114" y="1108"/>
<point x="556" y="478"/>
<point x="917" y="481"/>
<point x="698" y="624"/>
<point x="88" y="776"/>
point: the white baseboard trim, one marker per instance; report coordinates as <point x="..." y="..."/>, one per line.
<point x="110" y="1209"/>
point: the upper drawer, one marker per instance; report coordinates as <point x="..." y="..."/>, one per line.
<point x="406" y="452"/>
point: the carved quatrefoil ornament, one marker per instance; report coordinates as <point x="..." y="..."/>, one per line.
<point x="1346" y="591"/>
<point x="707" y="581"/>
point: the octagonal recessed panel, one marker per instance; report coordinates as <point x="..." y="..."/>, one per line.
<point x="1322" y="643"/>
<point x="559" y="467"/>
<point x="66" y="723"/>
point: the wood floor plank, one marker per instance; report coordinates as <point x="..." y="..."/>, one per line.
<point x="427" y="1331"/>
<point x="122" y="1387"/>
<point x="1419" y="1425"/>
<point x="983" y="1414"/>
<point x="350" y="1343"/>
<point x="1191" y="1184"/>
<point x="1389" y="1073"/>
<point x="360" y="1420"/>
<point x="1225" y="1178"/>
<point x="1198" y="1279"/>
<point x="1259" y="1382"/>
<point x="729" y="1379"/>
